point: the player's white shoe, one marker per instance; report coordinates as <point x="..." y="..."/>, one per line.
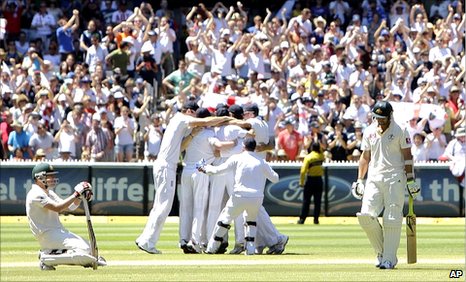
<point x="238" y="249"/>
<point x="42" y="266"/>
<point x="378" y="261"/>
<point x="152" y="250"/>
<point x="212" y="247"/>
<point x="387" y="265"/>
<point x="101" y="261"/>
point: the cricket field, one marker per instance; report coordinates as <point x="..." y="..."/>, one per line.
<point x="335" y="250"/>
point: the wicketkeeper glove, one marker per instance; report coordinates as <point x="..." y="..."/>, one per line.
<point x="200" y="165"/>
<point x="357" y="189"/>
<point x="82" y="187"/>
<point x="413" y="188"/>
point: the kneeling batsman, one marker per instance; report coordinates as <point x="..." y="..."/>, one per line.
<point x="58" y="245"/>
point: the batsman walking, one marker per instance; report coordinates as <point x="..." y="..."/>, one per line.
<point x="388" y="162"/>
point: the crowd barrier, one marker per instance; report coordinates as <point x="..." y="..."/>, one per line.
<point x="128" y="189"/>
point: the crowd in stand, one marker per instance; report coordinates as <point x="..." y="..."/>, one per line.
<point x="100" y="80"/>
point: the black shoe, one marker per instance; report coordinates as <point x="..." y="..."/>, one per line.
<point x="300" y="221"/>
<point x="223" y="248"/>
<point x="316" y="221"/>
<point x="188" y="249"/>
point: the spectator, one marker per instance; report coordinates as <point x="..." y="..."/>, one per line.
<point x="337" y="143"/>
<point x="120" y="58"/>
<point x="153" y="134"/>
<point x="419" y="149"/>
<point x="124" y="130"/>
<point x="355" y="138"/>
<point x="21" y="44"/>
<point x="340" y="10"/>
<point x="65" y="34"/>
<point x="146" y="66"/>
<point x="18" y="142"/>
<point x="303" y="21"/>
<point x="167" y="37"/>
<point x="42" y="140"/>
<point x="39" y="156"/>
<point x="456" y="153"/>
<point x="12" y="12"/>
<point x="96" y="54"/>
<point x="122" y="14"/>
<point x="435" y="143"/>
<point x="98" y="141"/>
<point x="5" y="129"/>
<point x="43" y="23"/>
<point x="67" y="138"/>
<point x="290" y="140"/>
<point x="175" y="81"/>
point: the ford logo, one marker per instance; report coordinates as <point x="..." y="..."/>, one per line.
<point x="286" y="192"/>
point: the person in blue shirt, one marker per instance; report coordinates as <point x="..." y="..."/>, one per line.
<point x="65" y="34"/>
<point x="19" y="139"/>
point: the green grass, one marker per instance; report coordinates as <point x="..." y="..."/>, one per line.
<point x="335" y="250"/>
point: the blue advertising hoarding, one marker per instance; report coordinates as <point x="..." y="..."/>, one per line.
<point x="128" y="189"/>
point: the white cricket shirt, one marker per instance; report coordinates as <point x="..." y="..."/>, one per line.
<point x="171" y="142"/>
<point x="201" y="147"/>
<point x="386" y="148"/>
<point x="41" y="219"/>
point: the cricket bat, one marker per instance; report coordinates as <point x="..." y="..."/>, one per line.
<point x="90" y="230"/>
<point x="411" y="232"/>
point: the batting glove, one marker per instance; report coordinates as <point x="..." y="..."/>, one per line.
<point x="81" y="187"/>
<point x="357" y="189"/>
<point x="413" y="188"/>
<point x="88" y="195"/>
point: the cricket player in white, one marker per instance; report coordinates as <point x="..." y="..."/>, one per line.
<point x="251" y="172"/>
<point x="267" y="233"/>
<point x="219" y="182"/>
<point x="388" y="162"/>
<point x="58" y="245"/>
<point x="165" y="171"/>
<point x="194" y="192"/>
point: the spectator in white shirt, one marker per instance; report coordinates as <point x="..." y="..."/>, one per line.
<point x="43" y="23"/>
<point x="303" y="21"/>
<point x="124" y="142"/>
<point x="96" y="53"/>
<point x="167" y="37"/>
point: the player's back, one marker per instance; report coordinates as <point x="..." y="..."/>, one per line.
<point x="251" y="174"/>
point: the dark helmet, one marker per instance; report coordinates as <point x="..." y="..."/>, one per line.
<point x="40" y="172"/>
<point x="382" y="109"/>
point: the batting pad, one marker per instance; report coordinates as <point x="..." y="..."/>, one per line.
<point x="69" y="258"/>
<point x="392" y="222"/>
<point x="373" y="231"/>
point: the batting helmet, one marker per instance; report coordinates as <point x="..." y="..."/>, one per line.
<point x="41" y="171"/>
<point x="382" y="109"/>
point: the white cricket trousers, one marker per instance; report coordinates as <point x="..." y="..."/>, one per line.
<point x="193" y="196"/>
<point x="62" y="239"/>
<point x="386" y="191"/>
<point x="165" y="184"/>
<point x="237" y="206"/>
<point x="216" y="201"/>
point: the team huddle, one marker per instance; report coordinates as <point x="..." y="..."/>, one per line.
<point x="226" y="153"/>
